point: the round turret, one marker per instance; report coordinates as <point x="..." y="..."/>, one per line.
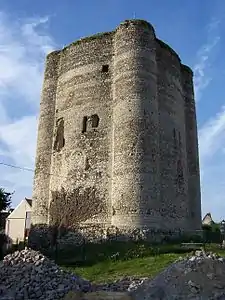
<point x="194" y="194"/>
<point x="134" y="192"/>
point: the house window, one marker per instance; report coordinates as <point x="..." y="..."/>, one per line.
<point x="105" y="68"/>
<point x="28" y="220"/>
<point x="7" y="230"/>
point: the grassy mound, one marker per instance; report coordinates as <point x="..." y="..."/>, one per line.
<point x="107" y="262"/>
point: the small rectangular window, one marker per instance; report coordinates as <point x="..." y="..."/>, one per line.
<point x="28" y="220"/>
<point x="105" y="68"/>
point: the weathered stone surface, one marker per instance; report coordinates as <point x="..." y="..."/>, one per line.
<point x="118" y="114"/>
<point x="41" y="236"/>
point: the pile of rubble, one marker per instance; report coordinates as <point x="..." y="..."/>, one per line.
<point x="27" y="274"/>
<point x="201" y="276"/>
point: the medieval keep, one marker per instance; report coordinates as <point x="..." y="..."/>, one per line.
<point x="117" y="115"/>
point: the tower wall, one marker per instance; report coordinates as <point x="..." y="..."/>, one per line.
<point x="173" y="168"/>
<point x="45" y="138"/>
<point x="118" y="116"/>
<point x="83" y="110"/>
<point x="135" y="127"/>
<point x="194" y="194"/>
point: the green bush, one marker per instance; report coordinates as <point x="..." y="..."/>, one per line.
<point x="90" y="254"/>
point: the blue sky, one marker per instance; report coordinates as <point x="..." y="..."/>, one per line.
<point x="31" y="29"/>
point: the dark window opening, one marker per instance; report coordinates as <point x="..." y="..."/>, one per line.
<point x="174" y="133"/>
<point x="192" y="214"/>
<point x="174" y="138"/>
<point x="180" y="175"/>
<point x="94" y="121"/>
<point x="84" y="125"/>
<point x="105" y="68"/>
<point x="179" y="139"/>
<point x="59" y="142"/>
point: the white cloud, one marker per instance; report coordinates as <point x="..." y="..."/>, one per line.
<point x="23" y="47"/>
<point x="211" y="133"/>
<point x="211" y="136"/>
<point x="201" y="69"/>
<point x="211" y="144"/>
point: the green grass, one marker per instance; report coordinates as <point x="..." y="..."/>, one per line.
<point x="134" y="259"/>
<point x="109" y="271"/>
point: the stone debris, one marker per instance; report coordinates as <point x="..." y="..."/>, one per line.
<point x="28" y="274"/>
<point x="200" y="276"/>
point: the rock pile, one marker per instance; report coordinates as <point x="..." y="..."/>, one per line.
<point x="27" y="274"/>
<point x="201" y="276"/>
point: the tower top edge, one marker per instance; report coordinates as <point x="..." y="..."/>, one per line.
<point x="99" y="35"/>
<point x="110" y="34"/>
<point x="187" y="69"/>
<point x="167" y="47"/>
<point x="138" y="22"/>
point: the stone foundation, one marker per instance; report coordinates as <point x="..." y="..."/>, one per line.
<point x="42" y="236"/>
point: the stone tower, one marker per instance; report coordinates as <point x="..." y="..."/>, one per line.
<point x="117" y="114"/>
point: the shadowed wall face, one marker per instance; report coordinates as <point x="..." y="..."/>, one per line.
<point x="194" y="192"/>
<point x="173" y="162"/>
<point x="115" y="117"/>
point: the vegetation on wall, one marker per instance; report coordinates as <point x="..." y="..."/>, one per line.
<point x="70" y="208"/>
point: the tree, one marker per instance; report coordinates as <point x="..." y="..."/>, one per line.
<point x="70" y="208"/>
<point x="5" y="199"/>
<point x="5" y="202"/>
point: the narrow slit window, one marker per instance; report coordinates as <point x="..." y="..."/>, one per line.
<point x="179" y="139"/>
<point x="84" y="125"/>
<point x="174" y="138"/>
<point x="59" y="141"/>
<point x="105" y="68"/>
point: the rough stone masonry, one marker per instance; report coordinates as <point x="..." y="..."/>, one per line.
<point x="117" y="114"/>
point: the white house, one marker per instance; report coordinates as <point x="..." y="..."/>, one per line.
<point x="207" y="220"/>
<point x="19" y="221"/>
